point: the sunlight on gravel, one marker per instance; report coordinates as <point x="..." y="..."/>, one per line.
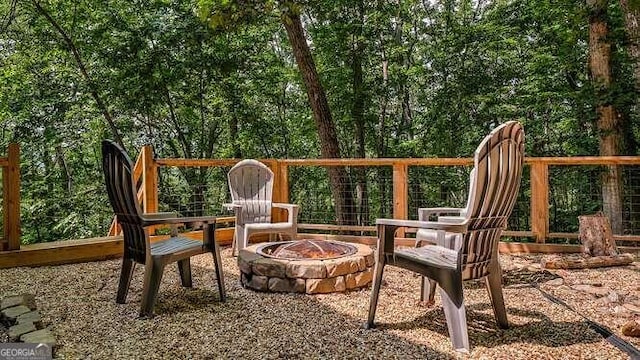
<point x="78" y="303"/>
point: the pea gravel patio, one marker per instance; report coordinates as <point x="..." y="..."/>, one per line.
<point x="78" y="303"/>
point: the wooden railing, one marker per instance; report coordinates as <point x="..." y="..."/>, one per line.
<point x="11" y="199"/>
<point x="147" y="171"/>
<point x="146" y="175"/>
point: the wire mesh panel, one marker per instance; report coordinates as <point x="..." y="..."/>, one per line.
<point x="448" y="186"/>
<point x="573" y="191"/>
<point x="520" y="219"/>
<point x="193" y="191"/>
<point x="631" y="200"/>
<point x="367" y="192"/>
<point x="437" y="186"/>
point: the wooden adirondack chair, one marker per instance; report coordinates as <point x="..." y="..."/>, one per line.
<point x="118" y="171"/>
<point x="467" y="244"/>
<point x="251" y="186"/>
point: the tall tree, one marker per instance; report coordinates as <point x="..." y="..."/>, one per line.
<point x="631" y="9"/>
<point x="608" y="120"/>
<point x="224" y="13"/>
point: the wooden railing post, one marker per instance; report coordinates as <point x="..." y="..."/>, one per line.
<point x="11" y="198"/>
<point x="400" y="193"/>
<point x="280" y="187"/>
<point x="540" y="200"/>
<point x="149" y="180"/>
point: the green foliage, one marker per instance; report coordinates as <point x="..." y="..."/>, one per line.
<point x="216" y="79"/>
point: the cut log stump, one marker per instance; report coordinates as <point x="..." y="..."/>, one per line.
<point x="585" y="261"/>
<point x="596" y="235"/>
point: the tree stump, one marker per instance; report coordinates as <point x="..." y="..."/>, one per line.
<point x="598" y="247"/>
<point x="596" y="235"/>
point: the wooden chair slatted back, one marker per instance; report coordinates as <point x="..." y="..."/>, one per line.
<point x="498" y="169"/>
<point x="118" y="172"/>
<point x="251" y="184"/>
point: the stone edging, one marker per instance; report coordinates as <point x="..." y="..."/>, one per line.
<point x="22" y="318"/>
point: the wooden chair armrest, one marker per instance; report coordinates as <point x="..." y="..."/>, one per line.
<point x="292" y="211"/>
<point x="232" y="206"/>
<point x="160" y="215"/>
<point x="415" y="224"/>
<point x="425" y="213"/>
<point x="179" y="220"/>
<point x="388" y="227"/>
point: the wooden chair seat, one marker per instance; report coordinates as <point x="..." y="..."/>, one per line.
<point x="174" y="245"/>
<point x="436" y="256"/>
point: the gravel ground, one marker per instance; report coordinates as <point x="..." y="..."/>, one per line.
<point x="78" y="303"/>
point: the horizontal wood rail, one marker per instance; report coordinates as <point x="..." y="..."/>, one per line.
<point x="539" y="166"/>
<point x="11" y="198"/>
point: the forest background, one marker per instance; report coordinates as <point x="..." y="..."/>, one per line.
<point x="375" y="79"/>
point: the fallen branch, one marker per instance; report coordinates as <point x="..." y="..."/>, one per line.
<point x="585" y="262"/>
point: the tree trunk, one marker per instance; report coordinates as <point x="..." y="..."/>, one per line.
<point x="631" y="11"/>
<point x="357" y="113"/>
<point x="329" y="148"/>
<point x="609" y="124"/>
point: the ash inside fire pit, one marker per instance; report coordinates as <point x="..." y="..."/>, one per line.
<point x="306" y="249"/>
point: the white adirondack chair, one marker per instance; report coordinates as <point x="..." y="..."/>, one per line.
<point x="251" y="186"/>
<point x="467" y="244"/>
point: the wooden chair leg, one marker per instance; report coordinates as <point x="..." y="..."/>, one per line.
<point x="375" y="292"/>
<point x="152" y="279"/>
<point x="239" y="239"/>
<point x="234" y="243"/>
<point x="428" y="290"/>
<point x="215" y="252"/>
<point x="456" y="318"/>
<point x="184" y="268"/>
<point x="126" y="274"/>
<point x="494" y="287"/>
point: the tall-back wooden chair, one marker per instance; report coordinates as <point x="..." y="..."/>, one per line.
<point x="118" y="172"/>
<point x="472" y="252"/>
<point x="251" y="187"/>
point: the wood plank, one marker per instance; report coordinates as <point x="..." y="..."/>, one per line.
<point x="513" y="247"/>
<point x="327" y="227"/>
<point x="559" y="235"/>
<point x="83" y="250"/>
<point x="570" y="160"/>
<point x="540" y="201"/>
<point x="280" y="190"/>
<point x="400" y="194"/>
<point x="379" y="162"/>
<point x="137" y="168"/>
<point x="149" y="181"/>
<point x="585" y="160"/>
<point x="11" y="198"/>
<point x="510" y="233"/>
<point x="179" y="162"/>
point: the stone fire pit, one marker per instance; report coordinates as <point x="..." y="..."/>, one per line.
<point x="306" y="266"/>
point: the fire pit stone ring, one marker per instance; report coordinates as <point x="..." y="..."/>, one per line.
<point x="335" y="267"/>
